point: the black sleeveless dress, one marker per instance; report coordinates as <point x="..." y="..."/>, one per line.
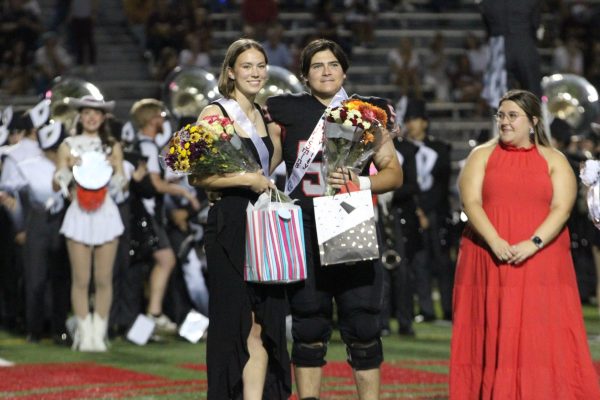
<point x="232" y="300"/>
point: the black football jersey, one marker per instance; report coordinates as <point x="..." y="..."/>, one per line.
<point x="298" y="114"/>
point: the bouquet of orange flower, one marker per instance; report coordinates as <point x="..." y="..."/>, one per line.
<point x="353" y="132"/>
<point x="208" y="147"/>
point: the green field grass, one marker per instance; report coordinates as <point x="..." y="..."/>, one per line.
<point x="175" y="368"/>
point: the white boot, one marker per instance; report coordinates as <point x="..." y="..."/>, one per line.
<point x="100" y="326"/>
<point x="83" y="335"/>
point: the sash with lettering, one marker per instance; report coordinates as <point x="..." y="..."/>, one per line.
<point x="235" y="112"/>
<point x="313" y="145"/>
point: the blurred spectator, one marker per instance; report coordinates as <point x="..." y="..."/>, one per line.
<point x="277" y="51"/>
<point x="466" y="86"/>
<point x="15" y="69"/>
<point x="478" y="54"/>
<point x="167" y="61"/>
<point x="404" y="69"/>
<point x="593" y="72"/>
<point x="436" y="68"/>
<point x="61" y="12"/>
<point x="137" y="13"/>
<point x="159" y="29"/>
<point x="19" y="23"/>
<point x="360" y="16"/>
<point x="196" y="52"/>
<point x="82" y="18"/>
<point x="258" y="14"/>
<point x="34" y="7"/>
<point x="575" y="19"/>
<point x="403" y="5"/>
<point x="568" y="56"/>
<point x="200" y="24"/>
<point x="51" y="60"/>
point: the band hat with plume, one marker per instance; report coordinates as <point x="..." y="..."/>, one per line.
<point x="89" y="101"/>
<point x="20" y="122"/>
<point x="51" y="135"/>
<point x="415" y="108"/>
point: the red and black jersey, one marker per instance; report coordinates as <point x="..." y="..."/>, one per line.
<point x="297" y="114"/>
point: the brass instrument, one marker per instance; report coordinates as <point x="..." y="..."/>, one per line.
<point x="62" y="88"/>
<point x="571" y="98"/>
<point x="391" y="245"/>
<point x="187" y="91"/>
<point x="280" y="81"/>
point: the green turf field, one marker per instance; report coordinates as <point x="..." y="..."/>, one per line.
<point x="414" y="368"/>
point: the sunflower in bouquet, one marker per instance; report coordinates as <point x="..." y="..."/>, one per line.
<point x="208" y="147"/>
<point x="211" y="147"/>
<point x="353" y="132"/>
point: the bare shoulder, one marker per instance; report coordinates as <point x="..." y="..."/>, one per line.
<point x="554" y="157"/>
<point x="482" y="152"/>
<point x="211" y="109"/>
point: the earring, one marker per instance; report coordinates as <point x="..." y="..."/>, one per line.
<point x="531" y="134"/>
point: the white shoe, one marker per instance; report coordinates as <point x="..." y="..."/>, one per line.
<point x="163" y="324"/>
<point x="100" y="326"/>
<point x="83" y="340"/>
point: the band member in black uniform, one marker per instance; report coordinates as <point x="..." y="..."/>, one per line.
<point x="582" y="231"/>
<point x="401" y="240"/>
<point x="22" y="140"/>
<point x="45" y="253"/>
<point x="515" y="61"/>
<point x="433" y="177"/>
<point x="357" y="289"/>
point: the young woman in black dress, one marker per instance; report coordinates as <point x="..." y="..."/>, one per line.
<point x="246" y="349"/>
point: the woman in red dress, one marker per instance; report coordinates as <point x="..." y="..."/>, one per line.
<point x="518" y="330"/>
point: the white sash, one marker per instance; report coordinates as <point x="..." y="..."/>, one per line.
<point x="235" y="112"/>
<point x="313" y="145"/>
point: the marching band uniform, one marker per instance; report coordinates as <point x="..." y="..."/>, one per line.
<point x="45" y="258"/>
<point x="103" y="224"/>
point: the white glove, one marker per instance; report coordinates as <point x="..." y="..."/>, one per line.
<point x="63" y="177"/>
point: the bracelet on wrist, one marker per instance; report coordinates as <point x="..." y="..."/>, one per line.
<point x="364" y="182"/>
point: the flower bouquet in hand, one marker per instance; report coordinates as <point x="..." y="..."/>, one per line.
<point x="209" y="147"/>
<point x="354" y="131"/>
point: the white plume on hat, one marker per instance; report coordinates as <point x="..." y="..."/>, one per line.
<point x="590" y="172"/>
<point x="50" y="135"/>
<point x="89" y="101"/>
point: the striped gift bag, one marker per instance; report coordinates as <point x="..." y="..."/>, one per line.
<point x="274" y="242"/>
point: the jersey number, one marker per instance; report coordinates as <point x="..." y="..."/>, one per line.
<point x="312" y="182"/>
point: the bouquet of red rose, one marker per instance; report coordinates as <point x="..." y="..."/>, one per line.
<point x="353" y="133"/>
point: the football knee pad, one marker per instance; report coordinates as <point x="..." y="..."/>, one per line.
<point x="365" y="355"/>
<point x="309" y="354"/>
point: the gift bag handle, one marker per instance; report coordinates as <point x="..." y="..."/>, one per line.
<point x="275" y="195"/>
